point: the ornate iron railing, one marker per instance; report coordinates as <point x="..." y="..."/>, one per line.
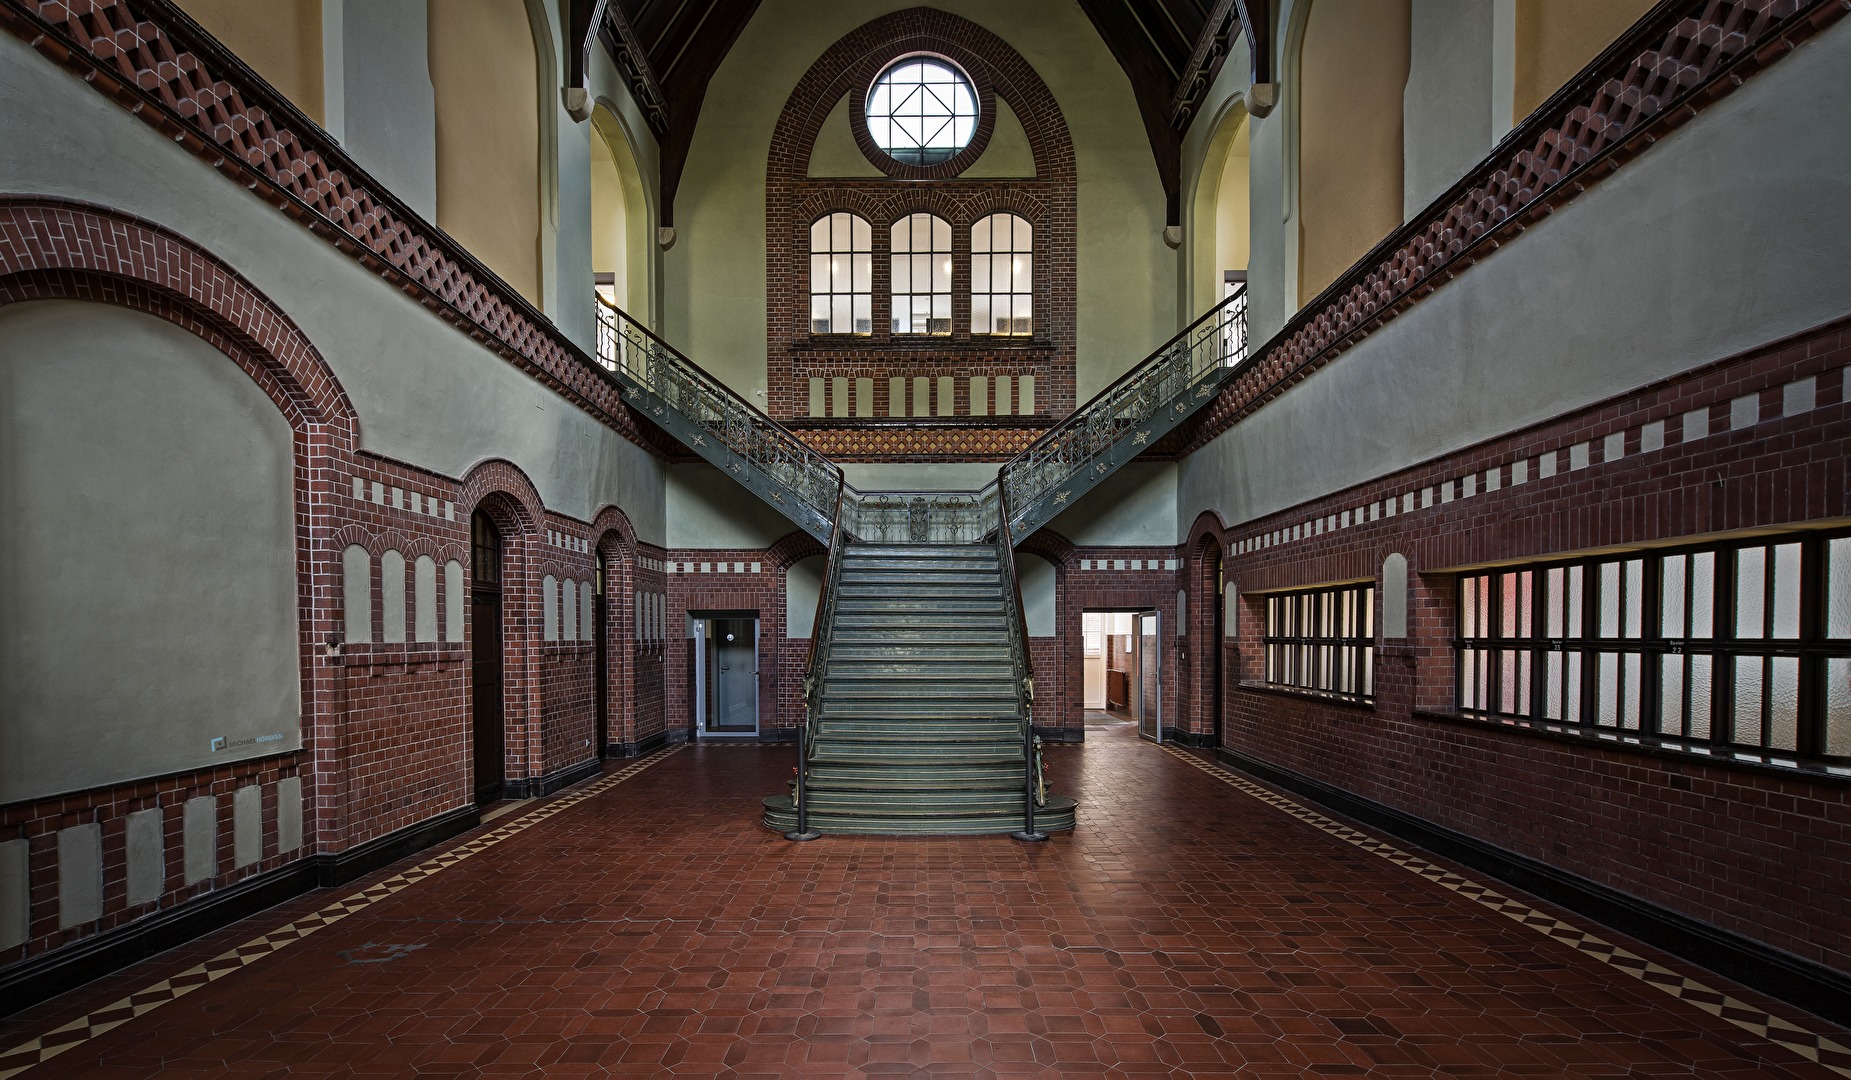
<point x="718" y="424"/>
<point x="1125" y="418"/>
<point x="921" y="517"/>
<point x="816" y="664"/>
<point x="1021" y="662"/>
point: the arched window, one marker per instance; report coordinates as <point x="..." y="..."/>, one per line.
<point x="485" y="550"/>
<point x="921" y="275"/>
<point x="841" y="275"/>
<point x="1002" y="276"/>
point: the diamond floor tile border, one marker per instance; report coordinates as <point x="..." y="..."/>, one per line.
<point x="1812" y="1046"/>
<point x="26" y="1055"/>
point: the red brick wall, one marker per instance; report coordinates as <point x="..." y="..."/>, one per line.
<point x="1757" y="849"/>
<point x="793" y="201"/>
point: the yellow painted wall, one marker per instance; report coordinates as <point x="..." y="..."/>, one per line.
<point x="1231" y="208"/>
<point x="278" y="39"/>
<point x="1557" y="38"/>
<point x="714" y="277"/>
<point x="488" y="134"/>
<point x="610" y="225"/>
<point x="1352" y="70"/>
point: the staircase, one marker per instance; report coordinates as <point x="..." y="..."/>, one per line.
<point x="919" y="722"/>
<point x="919" y="692"/>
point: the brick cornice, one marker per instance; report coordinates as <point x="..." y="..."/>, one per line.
<point x="156" y="62"/>
<point x="1678" y="60"/>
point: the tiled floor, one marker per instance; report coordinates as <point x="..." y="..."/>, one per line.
<point x="645" y="926"/>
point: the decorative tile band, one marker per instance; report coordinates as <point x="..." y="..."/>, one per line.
<point x="81" y="1030"/>
<point x="681" y="567"/>
<point x="1797" y="397"/>
<point x="1130" y="564"/>
<point x="416" y="502"/>
<point x="1811" y="1045"/>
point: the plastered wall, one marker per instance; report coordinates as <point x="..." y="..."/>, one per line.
<point x="147" y="554"/>
<point x="1684" y="256"/>
<point x="714" y="277"/>
<point x="424" y="392"/>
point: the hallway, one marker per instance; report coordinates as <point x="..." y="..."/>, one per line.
<point x="643" y="925"/>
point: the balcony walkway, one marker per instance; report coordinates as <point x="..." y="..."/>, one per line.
<point x="1194" y="924"/>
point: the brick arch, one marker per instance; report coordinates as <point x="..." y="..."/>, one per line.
<point x="66" y="250"/>
<point x="793" y="548"/>
<point x="793" y="200"/>
<point x="1206" y="542"/>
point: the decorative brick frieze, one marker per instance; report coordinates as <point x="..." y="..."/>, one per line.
<point x="155" y="61"/>
<point x="793" y="200"/>
<point x="1754" y="442"/>
<point x="1658" y="76"/>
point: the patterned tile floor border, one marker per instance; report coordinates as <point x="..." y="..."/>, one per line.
<point x="18" y="1059"/>
<point x="1810" y="1045"/>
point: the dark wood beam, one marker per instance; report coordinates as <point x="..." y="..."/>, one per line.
<point x="1256" y="23"/>
<point x="699" y="44"/>
<point x="632" y="61"/>
<point x="1151" y="83"/>
<point x="1205" y="59"/>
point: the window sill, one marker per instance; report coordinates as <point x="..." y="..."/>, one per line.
<point x="364" y="654"/>
<point x="925" y="343"/>
<point x="1323" y="697"/>
<point x="1650" y="745"/>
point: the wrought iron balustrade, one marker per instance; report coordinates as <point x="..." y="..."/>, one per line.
<point x="1127" y="417"/>
<point x="920" y="517"/>
<point x="718" y="424"/>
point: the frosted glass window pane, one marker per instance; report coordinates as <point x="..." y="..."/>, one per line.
<point x="1838" y="589"/>
<point x="1024" y="235"/>
<point x="1749" y="679"/>
<point x="819" y="273"/>
<point x="1574" y="601"/>
<point x="1609" y="599"/>
<point x="902" y="274"/>
<point x="1469" y="606"/>
<point x="1635" y="598"/>
<point x="941" y="234"/>
<point x="1572" y="693"/>
<point x="1700" y="702"/>
<point x="864" y="313"/>
<point x="1608" y="689"/>
<point x="1507" y="602"/>
<point x="1672" y="607"/>
<point x="941" y="273"/>
<point x="980" y="235"/>
<point x="1750" y="592"/>
<point x="1629" y="704"/>
<point x="1553" y="583"/>
<point x="1671" y="695"/>
<point x="1024" y="273"/>
<point x="864" y="233"/>
<point x="840" y="314"/>
<point x="1552" y="687"/>
<point x="1523" y="685"/>
<point x="1787" y="591"/>
<point x="1468" y="680"/>
<point x="1838" y="707"/>
<point x="1369" y="612"/>
<point x="1369" y="670"/>
<point x="1526" y="584"/>
<point x="1507" y="681"/>
<point x="1783" y="704"/>
<point x="1703" y="594"/>
<point x="864" y="273"/>
<point x="819" y="235"/>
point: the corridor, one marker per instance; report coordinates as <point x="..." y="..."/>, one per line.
<point x="641" y="924"/>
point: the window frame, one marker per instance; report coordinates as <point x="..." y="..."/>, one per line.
<point x="1334" y="655"/>
<point x="990" y="294"/>
<point x="896" y="297"/>
<point x="925" y="158"/>
<point x="860" y="261"/>
<point x="1666" y="647"/>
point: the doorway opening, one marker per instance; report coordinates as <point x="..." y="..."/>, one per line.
<point x="486" y="656"/>
<point x="601" y="652"/>
<point x="725" y="674"/>
<point x="1120" y="663"/>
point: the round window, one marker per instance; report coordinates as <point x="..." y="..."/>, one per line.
<point x="922" y="110"/>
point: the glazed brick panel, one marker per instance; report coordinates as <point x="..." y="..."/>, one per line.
<point x="1754" y="442"/>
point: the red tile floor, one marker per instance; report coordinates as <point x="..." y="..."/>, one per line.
<point x="646" y="926"/>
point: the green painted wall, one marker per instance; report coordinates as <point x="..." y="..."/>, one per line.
<point x="714" y="276"/>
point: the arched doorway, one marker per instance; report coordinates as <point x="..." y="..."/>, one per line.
<point x="601" y="651"/>
<point x="486" y="656"/>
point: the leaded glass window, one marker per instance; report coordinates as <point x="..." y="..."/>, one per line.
<point x="922" y="110"/>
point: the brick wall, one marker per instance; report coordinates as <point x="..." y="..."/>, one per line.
<point x="1750" y="443"/>
<point x="793" y="200"/>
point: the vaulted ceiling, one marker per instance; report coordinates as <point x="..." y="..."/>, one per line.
<point x="668" y="50"/>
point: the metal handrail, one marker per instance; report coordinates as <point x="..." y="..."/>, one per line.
<point x="815" y="662"/>
<point x="1195" y="362"/>
<point x="679" y="392"/>
<point x="919" y="517"/>
<point x="1023" y="665"/>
